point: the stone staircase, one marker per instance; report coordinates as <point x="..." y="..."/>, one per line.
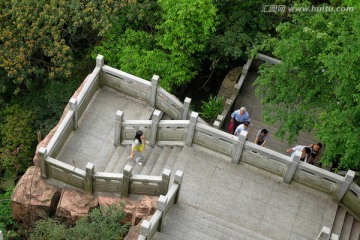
<point x="155" y="160"/>
<point x="197" y="224"/>
<point x="345" y="225"/>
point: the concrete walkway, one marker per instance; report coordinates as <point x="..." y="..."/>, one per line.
<point x="218" y="200"/>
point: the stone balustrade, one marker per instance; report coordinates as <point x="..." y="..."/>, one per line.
<point x="149" y="228"/>
<point x="178" y="132"/>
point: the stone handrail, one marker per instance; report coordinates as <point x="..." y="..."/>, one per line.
<point x="149" y="228"/>
<point x="229" y="102"/>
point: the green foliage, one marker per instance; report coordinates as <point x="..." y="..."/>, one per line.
<point x="212" y="108"/>
<point x="165" y="44"/>
<point x="17" y="139"/>
<point x="39" y="38"/>
<point x="317" y="84"/>
<point x="6" y="221"/>
<point x="103" y="223"/>
<point x="242" y="25"/>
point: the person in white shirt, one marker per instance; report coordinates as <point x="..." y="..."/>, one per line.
<point x="305" y="152"/>
<point x="246" y="126"/>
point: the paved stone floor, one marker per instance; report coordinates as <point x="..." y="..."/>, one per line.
<point x="249" y="203"/>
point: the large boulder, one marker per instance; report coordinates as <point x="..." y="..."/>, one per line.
<point x="33" y="197"/>
<point x="74" y="204"/>
<point x="135" y="209"/>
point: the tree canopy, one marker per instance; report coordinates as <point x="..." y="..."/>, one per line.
<point x="317" y="84"/>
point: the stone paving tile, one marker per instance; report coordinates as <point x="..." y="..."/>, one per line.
<point x="231" y="181"/>
<point x="100" y="129"/>
<point x="274" y="231"/>
<point x="199" y="169"/>
<point x="262" y="177"/>
<point x="91" y="145"/>
<point x="306" y="227"/>
<point x="255" y="190"/>
<point x="85" y="123"/>
<point x="239" y="170"/>
<point x="249" y="206"/>
<point x="220" y="195"/>
<point x="285" y="202"/>
<point x="75" y="139"/>
<point x="295" y="236"/>
<point x="94" y="108"/>
<point x="312" y="210"/>
<point x="279" y="217"/>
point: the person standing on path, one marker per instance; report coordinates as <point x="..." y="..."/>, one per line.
<point x="138" y="147"/>
<point x="246" y="126"/>
<point x="261" y="137"/>
<point x="305" y="152"/>
<point x="238" y="117"/>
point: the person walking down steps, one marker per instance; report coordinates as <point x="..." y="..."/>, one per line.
<point x="137" y="147"/>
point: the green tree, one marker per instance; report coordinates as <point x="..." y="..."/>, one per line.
<point x="39" y="40"/>
<point x="165" y="39"/>
<point x="317" y="84"/>
<point x="103" y="223"/>
<point x="17" y="139"/>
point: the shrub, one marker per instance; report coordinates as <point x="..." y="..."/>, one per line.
<point x="211" y="108"/>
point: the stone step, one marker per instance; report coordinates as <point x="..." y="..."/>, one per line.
<point x="164" y="236"/>
<point x="339" y="221"/>
<point x="159" y="165"/>
<point x="114" y="158"/>
<point x="121" y="161"/>
<point x="355" y="231"/>
<point x="329" y="214"/>
<point x="175" y="152"/>
<point x="181" y="161"/>
<point x="210" y="224"/>
<point x="184" y="230"/>
<point x="346" y="230"/>
<point x="148" y="166"/>
<point x="147" y="153"/>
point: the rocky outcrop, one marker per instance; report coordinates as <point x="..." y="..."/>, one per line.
<point x="33" y="199"/>
<point x="135" y="210"/>
<point x="32" y="196"/>
<point x="74" y="204"/>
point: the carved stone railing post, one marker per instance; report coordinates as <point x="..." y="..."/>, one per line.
<point x="344" y="186"/>
<point x="118" y="122"/>
<point x="161" y="206"/>
<point x="165" y="179"/>
<point x="74" y="107"/>
<point x="154" y="126"/>
<point x="1" y="235"/>
<point x="126" y="181"/>
<point x="191" y="129"/>
<point x="185" y="109"/>
<point x="100" y="62"/>
<point x="239" y="146"/>
<point x="178" y="180"/>
<point x="154" y="84"/>
<point x="292" y="167"/>
<point x="145" y="230"/>
<point x="42" y="161"/>
<point x="89" y="177"/>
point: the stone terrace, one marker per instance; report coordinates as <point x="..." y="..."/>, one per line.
<point x="218" y="200"/>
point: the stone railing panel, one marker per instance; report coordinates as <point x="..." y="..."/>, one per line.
<point x="214" y="139"/>
<point x="260" y="161"/>
<point x="315" y="181"/>
<point x="107" y="182"/>
<point x="65" y="173"/>
<point x="143" y="184"/>
<point x="61" y="135"/>
<point x="351" y="202"/>
<point x="129" y="128"/>
<point x="126" y="83"/>
<point x="168" y="104"/>
<point x="172" y="131"/>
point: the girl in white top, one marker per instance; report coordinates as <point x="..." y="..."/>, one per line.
<point x="138" y="147"/>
